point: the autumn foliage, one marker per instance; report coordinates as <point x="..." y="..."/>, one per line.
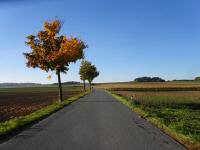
<point x="51" y="51"/>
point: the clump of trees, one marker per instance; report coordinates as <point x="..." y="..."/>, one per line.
<point x="88" y="72"/>
<point x="53" y="52"/>
<point x="197" y="79"/>
<point x="149" y="79"/>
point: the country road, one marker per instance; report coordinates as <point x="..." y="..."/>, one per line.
<point x="95" y="122"/>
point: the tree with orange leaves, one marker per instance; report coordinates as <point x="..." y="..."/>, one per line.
<point x="53" y="52"/>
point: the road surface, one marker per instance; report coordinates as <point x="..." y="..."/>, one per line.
<point x="95" y="122"/>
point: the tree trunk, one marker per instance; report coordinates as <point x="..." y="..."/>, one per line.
<point x="84" y="84"/>
<point x="60" y="87"/>
<point x="90" y="86"/>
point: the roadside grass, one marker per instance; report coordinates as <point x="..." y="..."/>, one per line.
<point x="179" y="117"/>
<point x="14" y="124"/>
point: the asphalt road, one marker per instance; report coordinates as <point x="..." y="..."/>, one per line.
<point x="95" y="122"/>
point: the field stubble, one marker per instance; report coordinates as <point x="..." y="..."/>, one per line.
<point x="16" y="102"/>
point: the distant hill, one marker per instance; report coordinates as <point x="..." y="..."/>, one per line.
<point x="19" y="84"/>
<point x="3" y="85"/>
<point x="68" y="83"/>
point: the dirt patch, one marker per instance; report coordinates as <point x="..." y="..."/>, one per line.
<point x="15" y="104"/>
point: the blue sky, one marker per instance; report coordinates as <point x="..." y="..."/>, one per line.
<point x="127" y="38"/>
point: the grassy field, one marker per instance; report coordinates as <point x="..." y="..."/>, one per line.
<point x="176" y="112"/>
<point x="16" y="102"/>
<point x="153" y="86"/>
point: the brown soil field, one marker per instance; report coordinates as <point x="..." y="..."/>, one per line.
<point x="15" y="104"/>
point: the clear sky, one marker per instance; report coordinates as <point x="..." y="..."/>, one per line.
<point x="126" y="39"/>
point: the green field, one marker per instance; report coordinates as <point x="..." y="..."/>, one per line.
<point x="176" y="112"/>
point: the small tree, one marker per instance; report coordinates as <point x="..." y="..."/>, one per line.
<point x="92" y="73"/>
<point x="83" y="71"/>
<point x="88" y="72"/>
<point x="53" y="52"/>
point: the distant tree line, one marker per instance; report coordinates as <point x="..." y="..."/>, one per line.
<point x="68" y="83"/>
<point x="182" y="80"/>
<point x="158" y="79"/>
<point x="149" y="79"/>
<point x="197" y="79"/>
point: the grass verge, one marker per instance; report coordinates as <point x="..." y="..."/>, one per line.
<point x="14" y="124"/>
<point x="188" y="140"/>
